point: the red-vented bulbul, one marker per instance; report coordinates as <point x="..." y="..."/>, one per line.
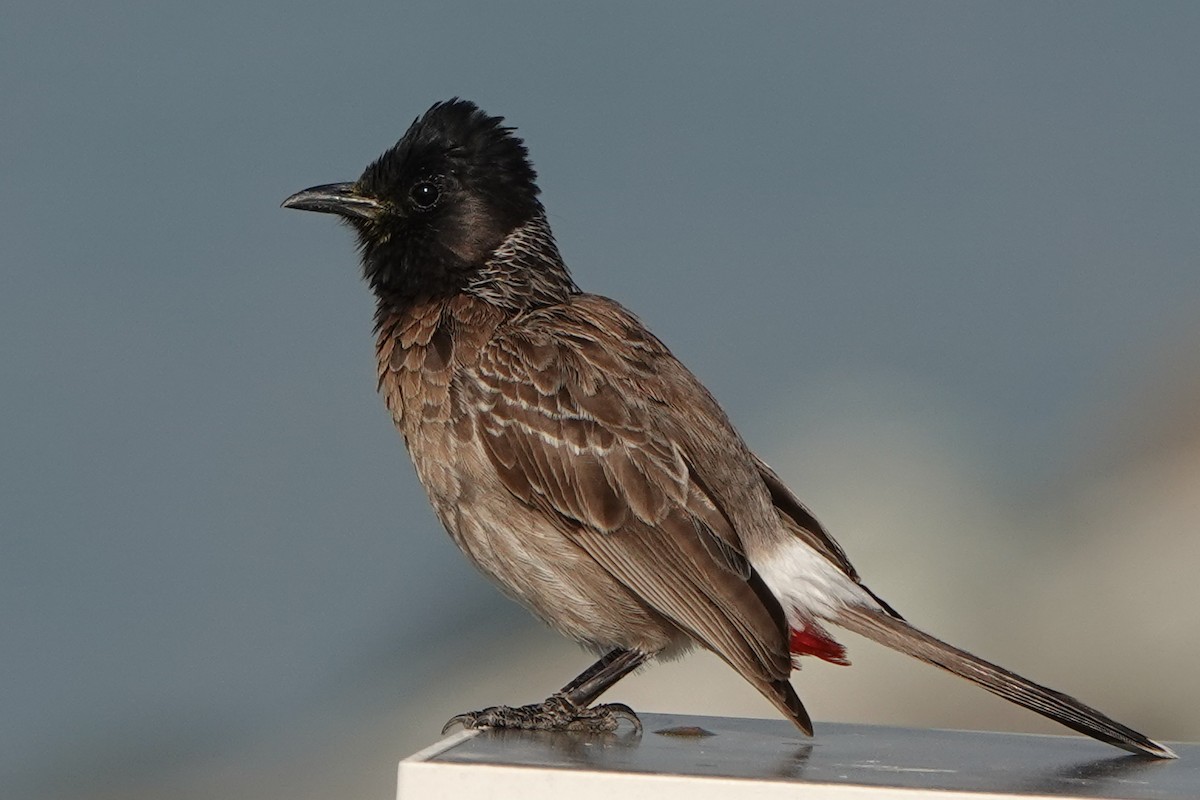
<point x="580" y="465"/>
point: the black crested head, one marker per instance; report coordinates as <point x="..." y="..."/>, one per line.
<point x="456" y="139"/>
<point x="452" y="207"/>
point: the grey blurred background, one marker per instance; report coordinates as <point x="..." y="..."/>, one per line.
<point x="938" y="260"/>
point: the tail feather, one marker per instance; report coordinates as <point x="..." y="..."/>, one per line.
<point x="899" y="635"/>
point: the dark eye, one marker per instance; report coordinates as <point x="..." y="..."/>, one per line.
<point x="425" y="195"/>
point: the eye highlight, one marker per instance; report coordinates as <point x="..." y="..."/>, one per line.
<point x="425" y="195"/>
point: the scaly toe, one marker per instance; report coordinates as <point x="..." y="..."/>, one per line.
<point x="555" y="713"/>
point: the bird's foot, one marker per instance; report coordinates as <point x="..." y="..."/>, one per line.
<point x="555" y="713"/>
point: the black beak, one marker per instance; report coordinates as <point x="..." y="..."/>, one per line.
<point x="342" y="199"/>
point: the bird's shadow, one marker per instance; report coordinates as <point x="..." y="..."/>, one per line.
<point x="567" y="748"/>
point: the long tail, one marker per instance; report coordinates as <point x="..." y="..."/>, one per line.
<point x="899" y="635"/>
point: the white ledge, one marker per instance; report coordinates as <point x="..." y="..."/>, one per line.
<point x="697" y="758"/>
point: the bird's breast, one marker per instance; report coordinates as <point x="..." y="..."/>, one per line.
<point x="422" y="352"/>
<point x="420" y="349"/>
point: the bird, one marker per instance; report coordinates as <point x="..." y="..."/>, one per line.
<point x="581" y="466"/>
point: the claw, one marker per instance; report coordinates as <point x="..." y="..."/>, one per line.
<point x="622" y="711"/>
<point x="466" y="720"/>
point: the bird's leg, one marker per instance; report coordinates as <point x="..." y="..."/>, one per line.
<point x="599" y="677"/>
<point x="567" y="709"/>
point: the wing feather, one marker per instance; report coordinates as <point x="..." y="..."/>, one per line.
<point x="800" y="520"/>
<point x="576" y="425"/>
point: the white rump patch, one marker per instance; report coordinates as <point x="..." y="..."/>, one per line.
<point x="809" y="585"/>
